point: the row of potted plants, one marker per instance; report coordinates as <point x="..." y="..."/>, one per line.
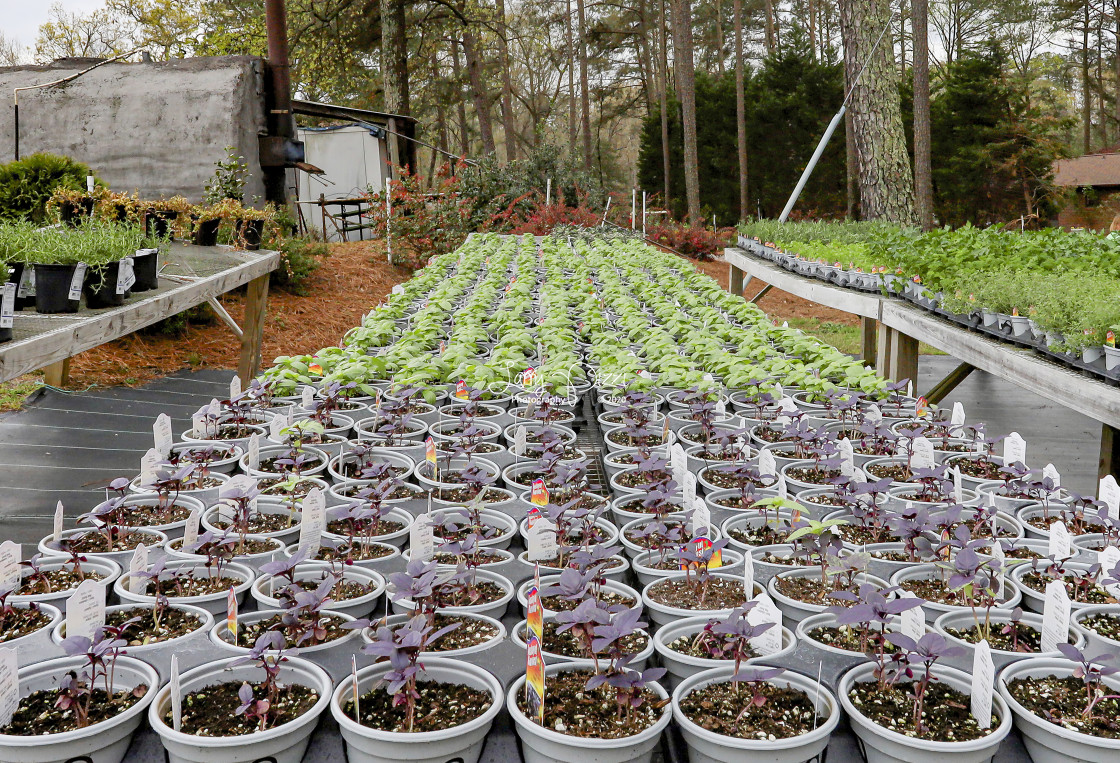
<point x="650" y="567"/>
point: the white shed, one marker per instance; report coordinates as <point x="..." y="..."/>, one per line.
<point x="353" y="159"/>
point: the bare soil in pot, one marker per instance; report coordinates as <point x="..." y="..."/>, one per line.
<point x="606" y="597"/>
<point x="248" y="633"/>
<point x="722" y="593"/>
<point x="1037" y="581"/>
<point x="810" y="589"/>
<point x="570" y="708"/>
<point x="360" y="552"/>
<point x="979" y="468"/>
<point x="481" y="557"/>
<point x="947" y="716"/>
<point x="151" y="514"/>
<point x="1019" y="637"/>
<point x="18" y="622"/>
<point x="353" y="470"/>
<point x="726" y="708"/>
<point x="765" y="535"/>
<point x="278" y="486"/>
<point x="212" y="711"/>
<point x="567" y="645"/>
<point x="812" y="476"/>
<point x="466" y="495"/>
<point x="470" y="632"/>
<point x="38" y="713"/>
<point x="261" y="523"/>
<point x="861" y="535"/>
<point x="399" y="492"/>
<point x="1062" y="702"/>
<point x="249" y="547"/>
<point x="692" y="645"/>
<point x="95" y="542"/>
<point x="843" y="637"/>
<point x="381" y="527"/>
<point x="53" y="581"/>
<point x="184" y="585"/>
<point x="637" y="479"/>
<point x="440" y="706"/>
<point x="1107" y="625"/>
<point x="721" y="479"/>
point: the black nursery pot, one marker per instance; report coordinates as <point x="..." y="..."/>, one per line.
<point x="52" y="289"/>
<point x="15" y="277"/>
<point x="101" y="287"/>
<point x="157" y="222"/>
<point x="75" y="214"/>
<point x="206" y="232"/>
<point x="146" y="270"/>
<point x="251" y="232"/>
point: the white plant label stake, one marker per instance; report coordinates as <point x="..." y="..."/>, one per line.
<point x="56" y="536"/>
<point x="276" y="429"/>
<point x="541" y="541"/>
<point x="9" y="685"/>
<point x="1001" y="573"/>
<point x="1055" y="616"/>
<point x="519" y="443"/>
<point x="748" y="574"/>
<point x="1060" y="542"/>
<point x="235" y="387"/>
<point x="921" y="453"/>
<point x="26" y="286"/>
<point x="7" y="305"/>
<point x="190" y="530"/>
<point x="767" y="466"/>
<point x="765" y="611"/>
<point x="10" y="557"/>
<point x="701" y="519"/>
<point x="161" y="431"/>
<point x="314" y="520"/>
<point x="1109" y="492"/>
<point x="76" y="282"/>
<point x="957" y="421"/>
<point x="85" y="609"/>
<point x="148" y="463"/>
<point x="1051" y="472"/>
<point x="254" y="453"/>
<point x="689" y="488"/>
<point x="126" y="275"/>
<point x="678" y="463"/>
<point x="138" y="563"/>
<point x="421" y="538"/>
<point x="783" y="489"/>
<point x="307" y="399"/>
<point x="176" y="695"/>
<point x="913" y="622"/>
<point x="983" y="678"/>
<point x="1014" y="449"/>
<point x="1108" y="557"/>
<point x="874" y="414"/>
<point x="958" y="488"/>
<point x="847" y="457"/>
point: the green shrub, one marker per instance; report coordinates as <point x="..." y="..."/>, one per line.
<point x="27" y="184"/>
<point x="299" y="257"/>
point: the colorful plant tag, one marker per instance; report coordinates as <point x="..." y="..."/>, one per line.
<point x="528" y="377"/>
<point x="231" y="614"/>
<point x="461" y="389"/>
<point x="539" y="495"/>
<point x="430" y="450"/>
<point x="85" y="609"/>
<point x="983" y="680"/>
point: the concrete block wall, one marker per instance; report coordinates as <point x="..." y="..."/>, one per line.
<point x="154" y="128"/>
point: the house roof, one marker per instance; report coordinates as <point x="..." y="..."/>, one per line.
<point x="1091" y="170"/>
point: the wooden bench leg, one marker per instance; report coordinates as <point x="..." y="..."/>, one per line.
<point x="1109" y="462"/>
<point x="883" y="351"/>
<point x="735" y="280"/>
<point x="904" y="358"/>
<point x="57" y="374"/>
<point x="867" y="340"/>
<point x="252" y="328"/>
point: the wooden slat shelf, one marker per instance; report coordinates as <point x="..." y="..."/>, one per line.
<point x="42" y="340"/>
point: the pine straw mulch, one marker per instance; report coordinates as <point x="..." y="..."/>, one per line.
<point x="345" y="286"/>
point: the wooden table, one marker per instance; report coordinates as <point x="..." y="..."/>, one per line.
<point x="892" y="329"/>
<point x="189" y="276"/>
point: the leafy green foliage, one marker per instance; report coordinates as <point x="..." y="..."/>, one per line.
<point x="27" y="184"/>
<point x="299" y="258"/>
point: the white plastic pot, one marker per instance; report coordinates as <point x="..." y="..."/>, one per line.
<point x="150" y="538"/>
<point x="663" y="615"/>
<point x="214" y="603"/>
<point x="681" y="666"/>
<point x="285" y="743"/>
<point x="34" y="647"/>
<point x="394" y="621"/>
<point x="331" y="656"/>
<point x="495" y="609"/>
<point x="106" y="568"/>
<point x="709" y="747"/>
<point x="314" y="573"/>
<point x="459" y="743"/>
<point x="105" y="742"/>
<point x="1096" y="642"/>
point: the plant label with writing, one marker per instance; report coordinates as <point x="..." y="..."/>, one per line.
<point x="253" y="458"/>
<point x="276" y="429"/>
<point x="783" y="488"/>
<point x="701" y="519"/>
<point x="176" y="695"/>
<point x="767" y="466"/>
<point x="847" y="457"/>
<point x="239" y="484"/>
<point x="1109" y="493"/>
<point x="10" y="558"/>
<point x="913" y="621"/>
<point x="541" y="541"/>
<point x="138" y="563"/>
<point x="7" y="305"/>
<point x="921" y="453"/>
<point x="1055" y="616"/>
<point x="9" y="684"/>
<point x="765" y="611"/>
<point x="76" y="282"/>
<point x="85" y="609"/>
<point x="314" y="520"/>
<point x="874" y="414"/>
<point x="1108" y="557"/>
<point x="1061" y="545"/>
<point x="199" y="427"/>
<point x="678" y="463"/>
<point x="983" y="680"/>
<point x="720" y="409"/>
<point x="307" y="398"/>
<point x="1051" y="472"/>
<point x="190" y="530"/>
<point x="858" y="475"/>
<point x="956" y="422"/>
<point x="958" y="487"/>
<point x="519" y="443"/>
<point x="126" y="275"/>
<point x="26" y="286"/>
<point x="421" y="537"/>
<point x="748" y="574"/>
<point x="235" y="387"/>
<point x="56" y="536"/>
<point x="689" y="488"/>
<point x="149" y="463"/>
<point x="1014" y="449"/>
<point x="161" y="431"/>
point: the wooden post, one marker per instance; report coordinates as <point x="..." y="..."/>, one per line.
<point x="394" y="147"/>
<point x="883" y="350"/>
<point x="1109" y="462"/>
<point x="57" y="374"/>
<point x="867" y="340"/>
<point x="252" y="328"/>
<point x="904" y="358"/>
<point x="735" y="280"/>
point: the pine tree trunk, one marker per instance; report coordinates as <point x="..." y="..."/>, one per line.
<point x="1086" y="96"/>
<point x="769" y="27"/>
<point x="719" y="37"/>
<point x="686" y="91"/>
<point x="851" y="168"/>
<point x="740" y="111"/>
<point x="509" y="124"/>
<point x="664" y="95"/>
<point x="923" y="170"/>
<point x="886" y="183"/>
<point x="813" y="29"/>
<point x="571" y="51"/>
<point x="645" y="60"/>
<point x="478" y="91"/>
<point x="584" y="88"/>
<point x="457" y="72"/>
<point x="1116" y="16"/>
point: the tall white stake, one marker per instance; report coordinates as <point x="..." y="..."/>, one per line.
<point x="633" y="208"/>
<point x="548" y="192"/>
<point x="643" y="214"/>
